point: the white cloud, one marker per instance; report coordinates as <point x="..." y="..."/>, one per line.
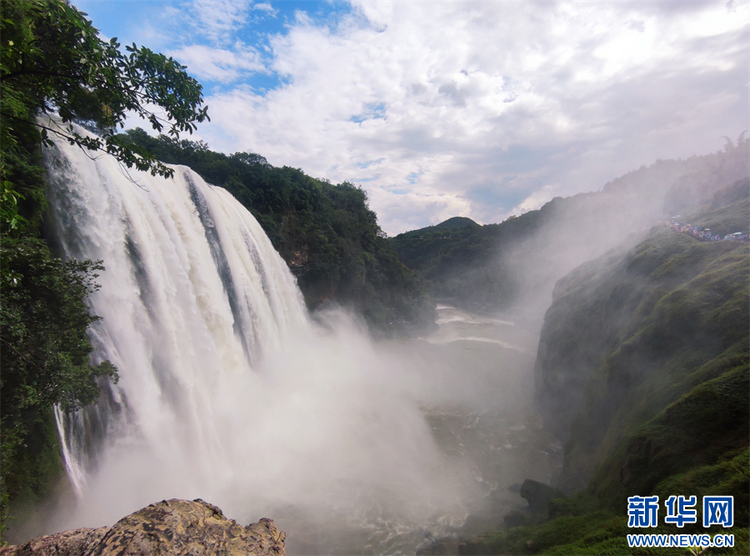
<point x="265" y="7"/>
<point x="218" y="20"/>
<point x="484" y="108"/>
<point x="219" y="64"/>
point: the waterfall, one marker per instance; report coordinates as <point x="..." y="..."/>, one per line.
<point x="193" y="291"/>
<point x="227" y="390"/>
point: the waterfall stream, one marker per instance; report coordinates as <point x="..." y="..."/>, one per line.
<point x="227" y="390"/>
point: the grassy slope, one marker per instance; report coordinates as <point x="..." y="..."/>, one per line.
<point x="644" y="371"/>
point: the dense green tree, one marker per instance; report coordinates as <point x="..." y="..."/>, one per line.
<point x="44" y="354"/>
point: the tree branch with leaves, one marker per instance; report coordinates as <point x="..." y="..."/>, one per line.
<point x="54" y="61"/>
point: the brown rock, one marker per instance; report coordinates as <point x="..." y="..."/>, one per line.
<point x="70" y="543"/>
<point x="173" y="527"/>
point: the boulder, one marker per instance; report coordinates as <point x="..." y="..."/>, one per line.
<point x="174" y="527"/>
<point x="539" y="496"/>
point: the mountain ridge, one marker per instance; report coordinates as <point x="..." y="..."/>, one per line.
<point x="500" y="267"/>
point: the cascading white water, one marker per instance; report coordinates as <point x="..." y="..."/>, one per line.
<point x="227" y="391"/>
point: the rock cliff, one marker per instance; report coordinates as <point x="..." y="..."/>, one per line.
<point x="632" y="333"/>
<point x="643" y="371"/>
<point x="174" y="527"/>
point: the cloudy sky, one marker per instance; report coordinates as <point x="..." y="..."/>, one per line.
<point x="443" y="108"/>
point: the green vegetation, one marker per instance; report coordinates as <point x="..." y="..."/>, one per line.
<point x="723" y="222"/>
<point x="53" y="61"/>
<point x="45" y="360"/>
<point x="326" y="233"/>
<point x="644" y="372"/>
<point x="649" y="326"/>
<point x="595" y="533"/>
<point x="459" y="260"/>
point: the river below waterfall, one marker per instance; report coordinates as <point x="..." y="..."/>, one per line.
<point x="478" y="400"/>
<point x="476" y="378"/>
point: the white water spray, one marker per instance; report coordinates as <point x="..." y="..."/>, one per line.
<point x="227" y="391"/>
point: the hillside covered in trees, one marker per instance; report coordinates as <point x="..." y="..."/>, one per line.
<point x="515" y="264"/>
<point x="326" y="233"/>
<point x="642" y="373"/>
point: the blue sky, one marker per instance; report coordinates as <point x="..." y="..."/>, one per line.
<point x="442" y="108"/>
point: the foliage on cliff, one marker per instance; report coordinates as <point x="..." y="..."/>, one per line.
<point x="643" y="370"/>
<point x="326" y="233"/>
<point x="444" y="254"/>
<point x="52" y="61"/>
<point x="45" y="359"/>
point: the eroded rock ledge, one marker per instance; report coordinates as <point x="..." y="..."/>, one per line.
<point x="173" y="527"/>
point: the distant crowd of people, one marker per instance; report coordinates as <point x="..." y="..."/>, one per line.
<point x="705" y="233"/>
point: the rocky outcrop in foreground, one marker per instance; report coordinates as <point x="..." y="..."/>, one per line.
<point x="174" y="527"/>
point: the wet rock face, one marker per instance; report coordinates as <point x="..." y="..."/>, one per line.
<point x="174" y="527"/>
